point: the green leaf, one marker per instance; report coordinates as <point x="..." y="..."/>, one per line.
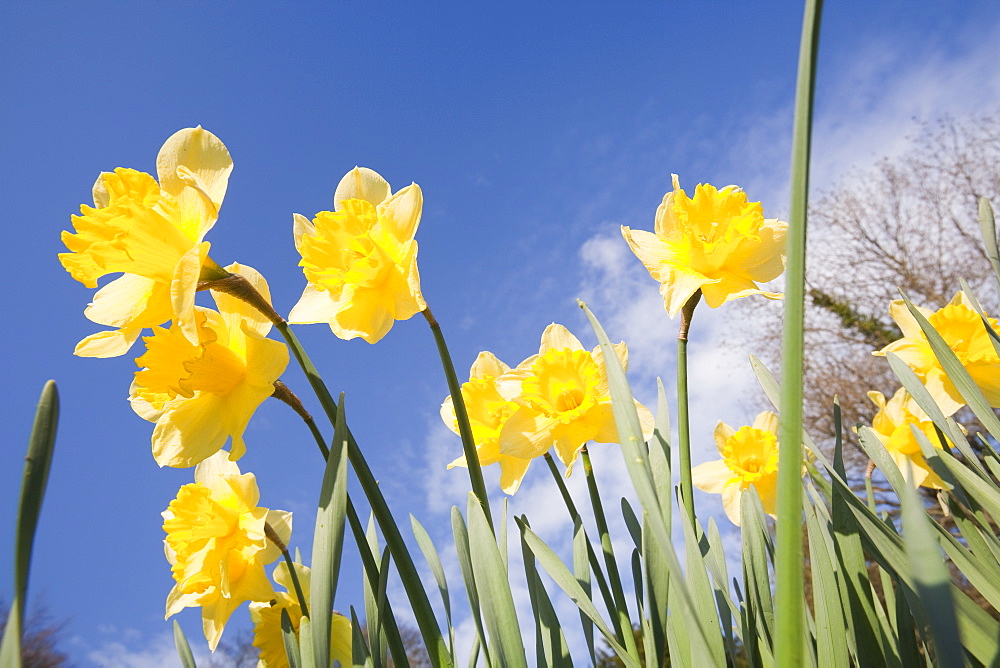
<point x="831" y="629"/>
<point x="756" y="578"/>
<point x="930" y="575"/>
<point x="328" y="540"/>
<point x="581" y="569"/>
<point x="360" y="651"/>
<point x="569" y="584"/>
<point x="33" y="482"/>
<point x="290" y="640"/>
<point x="703" y="594"/>
<point x="464" y="554"/>
<point x="497" y="602"/>
<point x="551" y="648"/>
<point x="637" y="464"/>
<point x="434" y="561"/>
<point x="183" y="648"/>
<point x="987" y="225"/>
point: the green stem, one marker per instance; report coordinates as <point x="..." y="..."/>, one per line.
<point x="683" y="421"/>
<point x="621" y="608"/>
<point x="296" y="585"/>
<point x="595" y="564"/>
<point x="790" y="649"/>
<point x="462" y="415"/>
<point x="424" y="614"/>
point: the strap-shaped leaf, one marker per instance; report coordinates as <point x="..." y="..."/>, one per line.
<point x="36" y="476"/>
<point x="569" y="584"/>
<point x="464" y="554"/>
<point x="328" y="539"/>
<point x="551" y="648"/>
<point x="490" y="572"/>
<point x="183" y="648"/>
<point x="988" y="227"/>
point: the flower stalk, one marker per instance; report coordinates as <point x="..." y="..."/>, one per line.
<point x="683" y="420"/>
<point x="462" y="416"/>
<point x="273" y="536"/>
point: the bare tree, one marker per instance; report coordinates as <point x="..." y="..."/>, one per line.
<point x="908" y="223"/>
<point x="39" y="642"/>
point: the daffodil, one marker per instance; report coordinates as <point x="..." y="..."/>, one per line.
<point x="563" y="400"/>
<point x="963" y="330"/>
<point x="488" y="412"/>
<point x="360" y="260"/>
<point x="717" y="242"/>
<point x="892" y="426"/>
<point x="216" y="544"/>
<point x="153" y="232"/>
<point x="199" y="395"/>
<point x="749" y="457"/>
<point x="266" y="617"/>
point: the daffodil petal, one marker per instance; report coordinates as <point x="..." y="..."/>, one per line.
<point x="400" y="214"/>
<point x="107" y="344"/>
<point x="526" y="434"/>
<point x="512" y="471"/>
<point x="314" y="306"/>
<point x="711" y="476"/>
<point x="364" y="184"/>
<point x="557" y="337"/>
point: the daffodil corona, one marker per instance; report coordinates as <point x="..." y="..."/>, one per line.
<point x="716" y="242"/>
<point x="892" y="424"/>
<point x="964" y="332"/>
<point x="216" y="544"/>
<point x="153" y="232"/>
<point x="488" y="412"/>
<point x="360" y="260"/>
<point x="266" y="617"/>
<point x="199" y="395"/>
<point x="563" y="400"/>
<point x="749" y="457"/>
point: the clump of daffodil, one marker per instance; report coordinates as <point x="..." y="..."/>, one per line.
<point x="749" y="457"/>
<point x="488" y="412"/>
<point x="563" y="400"/>
<point x="716" y="242"/>
<point x="892" y="425"/>
<point x="360" y="260"/>
<point x="964" y="332"/>
<point x="266" y="617"/>
<point x="201" y="394"/>
<point x="153" y="232"/>
<point x="216" y="544"/>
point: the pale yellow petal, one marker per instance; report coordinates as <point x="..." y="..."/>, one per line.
<point x="722" y="433"/>
<point x="368" y="313"/>
<point x="766" y="421"/>
<point x="131" y="300"/>
<point x="314" y="306"/>
<point x="301" y="227"/>
<point x="526" y="434"/>
<point x="210" y="469"/>
<point x="728" y="288"/>
<point x="487" y="364"/>
<point x="107" y="344"/>
<point x="341" y="639"/>
<point x="512" y="470"/>
<point x="732" y="497"/>
<point x="202" y="154"/>
<point x="680" y="286"/>
<point x="190" y="431"/>
<point x="712" y="476"/>
<point x="558" y="337"/>
<point x="237" y="313"/>
<point x="183" y="286"/>
<point x="762" y="260"/>
<point x="100" y="191"/>
<point x="904" y="319"/>
<point x="281" y="522"/>
<point x="361" y="183"/>
<point x="400" y="214"/>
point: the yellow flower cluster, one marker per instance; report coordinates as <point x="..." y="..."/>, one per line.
<point x="558" y="398"/>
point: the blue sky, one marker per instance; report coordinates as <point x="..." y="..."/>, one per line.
<point x="534" y="130"/>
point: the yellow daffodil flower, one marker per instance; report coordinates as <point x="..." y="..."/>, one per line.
<point x="153" y="233"/>
<point x="360" y="260"/>
<point x="563" y="400"/>
<point x="200" y="395"/>
<point x="717" y="242"/>
<point x="488" y="412"/>
<point x="749" y="457"/>
<point x="266" y="618"/>
<point x="216" y="544"/>
<point x="963" y="330"/>
<point x="892" y="426"/>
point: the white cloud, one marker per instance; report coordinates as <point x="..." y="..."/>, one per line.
<point x="132" y="650"/>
